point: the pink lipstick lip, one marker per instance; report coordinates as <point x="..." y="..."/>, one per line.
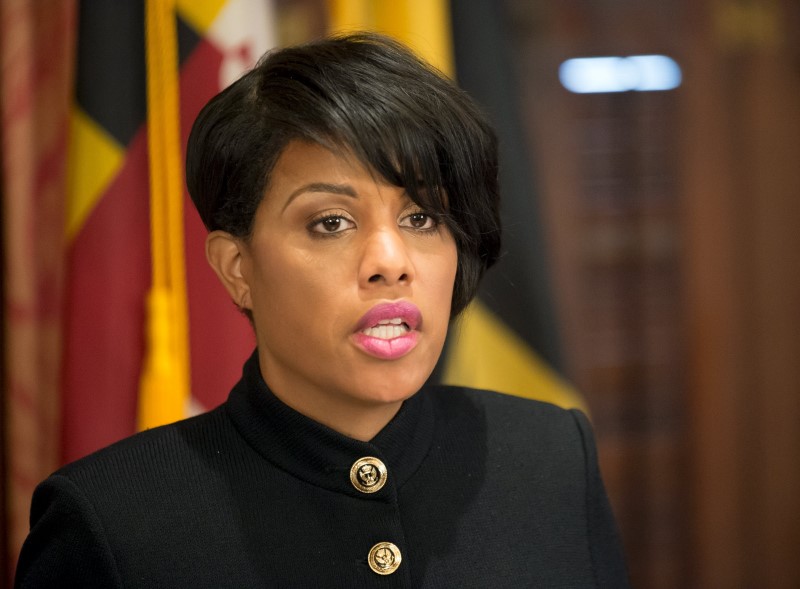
<point x="408" y="312"/>
<point x="397" y="347"/>
<point x="387" y="349"/>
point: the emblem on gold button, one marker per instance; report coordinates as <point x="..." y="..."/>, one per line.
<point x="384" y="558"/>
<point x="368" y="474"/>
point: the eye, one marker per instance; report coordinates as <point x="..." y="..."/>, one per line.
<point x="420" y="221"/>
<point x="331" y="224"/>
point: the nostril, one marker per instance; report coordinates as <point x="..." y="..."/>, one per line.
<point x="378" y="277"/>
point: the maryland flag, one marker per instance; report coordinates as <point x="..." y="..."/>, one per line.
<point x="507" y="339"/>
<point x="138" y="352"/>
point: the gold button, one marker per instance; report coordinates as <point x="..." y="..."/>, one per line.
<point x="368" y="474"/>
<point x="384" y="558"/>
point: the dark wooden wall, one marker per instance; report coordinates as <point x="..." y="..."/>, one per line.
<point x="674" y="226"/>
<point x="742" y="213"/>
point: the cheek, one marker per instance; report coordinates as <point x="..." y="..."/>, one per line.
<point x="440" y="275"/>
<point x="297" y="291"/>
<point x="448" y="270"/>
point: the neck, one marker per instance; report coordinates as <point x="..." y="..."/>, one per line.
<point x="358" y="420"/>
<point x="361" y="425"/>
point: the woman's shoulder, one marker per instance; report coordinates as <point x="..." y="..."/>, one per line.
<point x="506" y="407"/>
<point x="512" y="423"/>
<point x="151" y="453"/>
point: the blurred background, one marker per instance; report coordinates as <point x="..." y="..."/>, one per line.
<point x="652" y="265"/>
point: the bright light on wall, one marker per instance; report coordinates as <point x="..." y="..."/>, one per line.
<point x="640" y="73"/>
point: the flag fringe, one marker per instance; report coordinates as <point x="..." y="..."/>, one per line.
<point x="164" y="384"/>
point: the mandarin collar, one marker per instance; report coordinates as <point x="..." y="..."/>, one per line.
<point x="320" y="455"/>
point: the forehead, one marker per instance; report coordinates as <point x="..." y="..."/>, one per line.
<point x="305" y="166"/>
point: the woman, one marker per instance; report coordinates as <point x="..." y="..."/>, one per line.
<point x="351" y="196"/>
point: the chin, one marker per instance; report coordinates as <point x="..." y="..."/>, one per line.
<point x="392" y="386"/>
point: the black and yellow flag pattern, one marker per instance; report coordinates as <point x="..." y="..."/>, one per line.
<point x="508" y="340"/>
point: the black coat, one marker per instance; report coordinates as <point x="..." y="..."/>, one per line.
<point x="481" y="490"/>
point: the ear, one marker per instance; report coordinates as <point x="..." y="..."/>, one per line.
<point x="224" y="253"/>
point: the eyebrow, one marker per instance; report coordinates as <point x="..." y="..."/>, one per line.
<point x="344" y="189"/>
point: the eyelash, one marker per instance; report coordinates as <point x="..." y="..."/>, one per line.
<point x="320" y="220"/>
<point x="435" y="222"/>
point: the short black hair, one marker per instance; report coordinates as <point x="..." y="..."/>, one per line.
<point x="364" y="93"/>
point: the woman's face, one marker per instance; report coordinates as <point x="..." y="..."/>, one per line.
<point x="349" y="283"/>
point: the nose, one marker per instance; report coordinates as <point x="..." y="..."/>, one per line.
<point x="385" y="259"/>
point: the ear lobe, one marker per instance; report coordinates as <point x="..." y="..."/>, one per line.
<point x="224" y="253"/>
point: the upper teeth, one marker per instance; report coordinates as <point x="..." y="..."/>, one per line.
<point x="395" y="321"/>
<point x="387" y="329"/>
